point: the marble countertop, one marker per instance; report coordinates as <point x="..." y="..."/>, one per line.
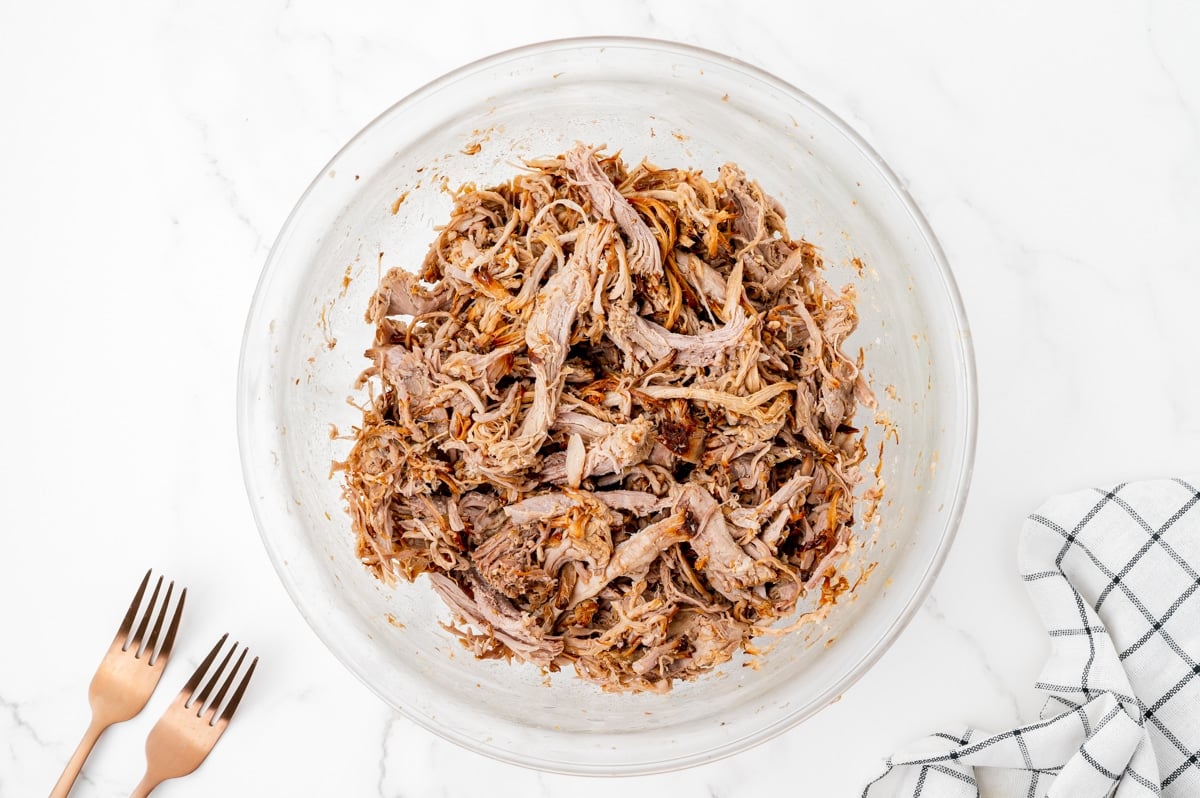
<point x="150" y="155"/>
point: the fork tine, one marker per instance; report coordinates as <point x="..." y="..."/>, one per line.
<point x="237" y="666"/>
<point x="152" y="642"/>
<point x="189" y="689"/>
<point x="140" y="636"/>
<point x="169" y="642"/>
<point x="237" y="694"/>
<point x="206" y="691"/>
<point x="127" y="624"/>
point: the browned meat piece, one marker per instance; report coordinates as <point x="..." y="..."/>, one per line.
<point x="622" y="446"/>
<point x="545" y="506"/>
<point x="401" y="294"/>
<point x="582" y="534"/>
<point x="482" y="607"/>
<point x="635" y="502"/>
<point x="781" y="499"/>
<point x="645" y="258"/>
<point x="840" y="320"/>
<point x="474" y="366"/>
<point x="708" y="281"/>
<point x="727" y="566"/>
<point x="587" y="427"/>
<point x="660" y="658"/>
<point x="648" y="342"/>
<point x="750" y="224"/>
<point x="480" y="513"/>
<point x="713" y="639"/>
<point x="540" y="507"/>
<point x="801" y="258"/>
<point x="634" y="556"/>
<point x="404" y="370"/>
<point x="837" y="395"/>
<point x="506" y="561"/>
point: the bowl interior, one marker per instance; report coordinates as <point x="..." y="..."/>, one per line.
<point x="375" y="207"/>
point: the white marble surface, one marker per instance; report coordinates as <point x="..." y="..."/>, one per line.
<point x="151" y="150"/>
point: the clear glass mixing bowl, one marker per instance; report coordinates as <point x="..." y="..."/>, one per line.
<point x="678" y="106"/>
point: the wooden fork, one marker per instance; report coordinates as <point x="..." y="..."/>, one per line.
<point x="192" y="724"/>
<point x="127" y="675"/>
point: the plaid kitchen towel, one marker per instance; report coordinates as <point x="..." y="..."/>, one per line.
<point x="1115" y="575"/>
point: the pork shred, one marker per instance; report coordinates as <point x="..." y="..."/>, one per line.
<point x="612" y="418"/>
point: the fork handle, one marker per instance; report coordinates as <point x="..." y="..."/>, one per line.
<point x="145" y="786"/>
<point x="63" y="787"/>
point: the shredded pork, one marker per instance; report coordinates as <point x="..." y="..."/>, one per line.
<point x="613" y="419"/>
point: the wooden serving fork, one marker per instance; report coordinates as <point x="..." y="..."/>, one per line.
<point x="128" y="673"/>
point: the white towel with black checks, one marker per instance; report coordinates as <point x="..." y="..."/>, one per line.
<point x="1115" y="575"/>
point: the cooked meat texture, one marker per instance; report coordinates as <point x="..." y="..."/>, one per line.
<point x="509" y="626"/>
<point x="633" y="558"/>
<point x="611" y="416"/>
<point x="617" y="449"/>
<point x="730" y="570"/>
<point x="648" y="342"/>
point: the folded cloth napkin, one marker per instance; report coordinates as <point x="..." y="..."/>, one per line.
<point x="1115" y="575"/>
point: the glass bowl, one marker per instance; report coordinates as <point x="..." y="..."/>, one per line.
<point x="375" y="205"/>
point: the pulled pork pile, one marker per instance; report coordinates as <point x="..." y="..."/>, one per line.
<point x="611" y="419"/>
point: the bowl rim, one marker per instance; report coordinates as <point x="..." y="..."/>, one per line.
<point x="967" y="393"/>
